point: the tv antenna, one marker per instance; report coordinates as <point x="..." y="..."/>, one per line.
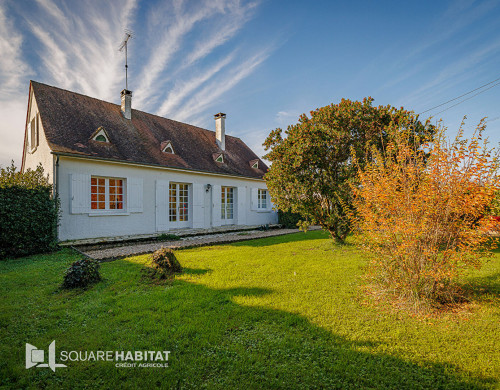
<point x="128" y="34"/>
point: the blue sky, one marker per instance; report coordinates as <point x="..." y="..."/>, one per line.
<point x="261" y="62"/>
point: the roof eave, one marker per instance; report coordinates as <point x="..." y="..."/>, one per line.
<point x="112" y="160"/>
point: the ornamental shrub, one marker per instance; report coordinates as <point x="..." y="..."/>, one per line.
<point x="312" y="169"/>
<point x="82" y="273"/>
<point x="164" y="263"/>
<point x="422" y="211"/>
<point x="28" y="213"/>
<point x="289" y="220"/>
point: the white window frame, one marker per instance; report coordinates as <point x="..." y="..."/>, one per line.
<point x="262" y="199"/>
<point x="107" y="209"/>
<point x="33" y="133"/>
<point x="228" y="194"/>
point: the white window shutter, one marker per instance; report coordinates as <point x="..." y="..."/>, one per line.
<point x="254" y="199"/>
<point x="270" y="204"/>
<point x="37" y="131"/>
<point x="134" y="194"/>
<point x="161" y="205"/>
<point x="80" y="193"/>
<point x="28" y="137"/>
<point x="198" y="212"/>
<point x="241" y="198"/>
<point x="216" y="212"/>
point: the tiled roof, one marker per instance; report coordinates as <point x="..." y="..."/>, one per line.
<point x="70" y="120"/>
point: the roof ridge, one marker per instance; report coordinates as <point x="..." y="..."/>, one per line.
<point x="134" y="109"/>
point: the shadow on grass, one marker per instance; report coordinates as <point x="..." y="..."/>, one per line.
<point x="286" y="238"/>
<point x="481" y="286"/>
<point x="214" y="341"/>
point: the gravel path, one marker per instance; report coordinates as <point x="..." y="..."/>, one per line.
<point x="186" y="242"/>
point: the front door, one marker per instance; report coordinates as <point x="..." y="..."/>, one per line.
<point x="178" y="205"/>
<point x="227" y="205"/>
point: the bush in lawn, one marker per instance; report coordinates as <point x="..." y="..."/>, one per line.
<point x="28" y="213"/>
<point x="288" y="220"/>
<point x="164" y="263"/>
<point x="82" y="273"/>
<point x="422" y="213"/>
<point x="312" y="170"/>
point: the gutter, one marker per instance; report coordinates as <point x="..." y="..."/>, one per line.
<point x="55" y="183"/>
<point x="149" y="165"/>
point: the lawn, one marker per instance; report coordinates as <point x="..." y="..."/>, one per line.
<point x="282" y="312"/>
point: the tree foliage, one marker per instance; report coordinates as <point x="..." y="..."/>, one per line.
<point x="28" y="213"/>
<point x="312" y="169"/>
<point x="422" y="213"/>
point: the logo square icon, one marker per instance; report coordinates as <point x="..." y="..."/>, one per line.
<point x="37" y="355"/>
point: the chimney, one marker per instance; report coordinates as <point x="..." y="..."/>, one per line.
<point x="127" y="103"/>
<point x="220" y="130"/>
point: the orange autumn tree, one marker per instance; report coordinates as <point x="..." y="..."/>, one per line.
<point x="421" y="213"/>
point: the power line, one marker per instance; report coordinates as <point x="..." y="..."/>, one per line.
<point x="458" y="97"/>
<point x="470" y="97"/>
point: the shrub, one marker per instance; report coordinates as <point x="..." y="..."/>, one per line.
<point x="168" y="237"/>
<point x="421" y="213"/>
<point x="289" y="220"/>
<point x="82" y="273"/>
<point x="164" y="263"/>
<point x="312" y="168"/>
<point x="28" y="213"/>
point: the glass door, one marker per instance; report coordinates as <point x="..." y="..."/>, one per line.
<point x="227" y="203"/>
<point x="178" y="205"/>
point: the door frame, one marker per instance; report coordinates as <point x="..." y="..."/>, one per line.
<point x="180" y="224"/>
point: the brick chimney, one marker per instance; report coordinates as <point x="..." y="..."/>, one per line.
<point x="127" y="103"/>
<point x="220" y="130"/>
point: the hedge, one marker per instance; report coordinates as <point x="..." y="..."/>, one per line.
<point x="28" y="213"/>
<point x="288" y="220"/>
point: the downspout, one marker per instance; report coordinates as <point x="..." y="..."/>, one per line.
<point x="55" y="184"/>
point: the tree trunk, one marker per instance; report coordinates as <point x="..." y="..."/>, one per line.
<point x="337" y="237"/>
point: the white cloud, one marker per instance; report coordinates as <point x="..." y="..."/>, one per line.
<point x="182" y="90"/>
<point x="74" y="45"/>
<point x="79" y="46"/>
<point x="13" y="75"/>
<point x="285" y="118"/>
<point x="214" y="90"/>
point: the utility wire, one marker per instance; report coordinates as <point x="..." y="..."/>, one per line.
<point x="470" y="97"/>
<point x="465" y="94"/>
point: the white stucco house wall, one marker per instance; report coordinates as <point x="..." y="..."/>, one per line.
<point x="119" y="171"/>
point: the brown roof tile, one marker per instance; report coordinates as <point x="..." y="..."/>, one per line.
<point x="70" y="119"/>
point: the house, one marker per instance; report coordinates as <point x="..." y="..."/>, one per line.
<point x="120" y="171"/>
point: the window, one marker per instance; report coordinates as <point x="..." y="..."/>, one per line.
<point x="255" y="165"/>
<point x="106" y="193"/>
<point x="226" y="204"/>
<point x="168" y="148"/>
<point x="33" y="133"/>
<point x="262" y="197"/>
<point x="220" y="158"/>
<point x="100" y="135"/>
<point x="178" y="204"/>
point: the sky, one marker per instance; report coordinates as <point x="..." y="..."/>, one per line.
<point x="262" y="62"/>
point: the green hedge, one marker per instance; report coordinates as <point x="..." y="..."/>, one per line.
<point x="288" y="219"/>
<point x="28" y="213"/>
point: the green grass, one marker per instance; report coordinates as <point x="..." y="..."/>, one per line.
<point x="281" y="312"/>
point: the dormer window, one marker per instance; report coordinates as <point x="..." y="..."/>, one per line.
<point x="166" y="147"/>
<point x="219" y="158"/>
<point x="254" y="164"/>
<point x="100" y="135"/>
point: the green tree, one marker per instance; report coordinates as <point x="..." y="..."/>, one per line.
<point x="312" y="168"/>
